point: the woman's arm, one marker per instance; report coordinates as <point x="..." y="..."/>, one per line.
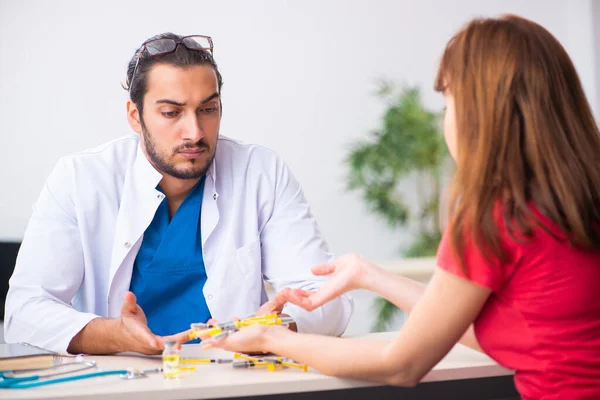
<point x="404" y="293"/>
<point x="354" y="272"/>
<point x="448" y="306"/>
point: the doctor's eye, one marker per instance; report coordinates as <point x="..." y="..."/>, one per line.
<point x="170" y="114"/>
<point x="209" y="110"/>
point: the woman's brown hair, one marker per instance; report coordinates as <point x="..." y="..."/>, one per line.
<point x="525" y="134"/>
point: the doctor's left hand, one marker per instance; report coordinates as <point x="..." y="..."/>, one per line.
<point x="274" y="305"/>
<point x="135" y="332"/>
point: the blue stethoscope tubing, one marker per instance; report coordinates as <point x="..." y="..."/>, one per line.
<point x="25" y="382"/>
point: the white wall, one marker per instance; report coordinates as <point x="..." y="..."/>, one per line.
<point x="299" y="78"/>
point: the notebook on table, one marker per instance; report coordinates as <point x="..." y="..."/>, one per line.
<point x="14" y="357"/>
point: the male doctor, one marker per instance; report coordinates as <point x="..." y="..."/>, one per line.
<point x="132" y="241"/>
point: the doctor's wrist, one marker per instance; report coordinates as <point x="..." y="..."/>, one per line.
<point x="292" y="326"/>
<point x="99" y="336"/>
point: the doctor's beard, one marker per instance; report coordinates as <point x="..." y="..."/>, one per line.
<point x="194" y="169"/>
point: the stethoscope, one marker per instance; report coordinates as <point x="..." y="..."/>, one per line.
<point x="10" y="380"/>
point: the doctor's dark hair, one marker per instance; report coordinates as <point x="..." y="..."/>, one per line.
<point x="182" y="57"/>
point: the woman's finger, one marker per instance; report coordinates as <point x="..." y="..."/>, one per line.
<point x="323" y="269"/>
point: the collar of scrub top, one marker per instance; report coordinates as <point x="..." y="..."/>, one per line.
<point x="10" y="380"/>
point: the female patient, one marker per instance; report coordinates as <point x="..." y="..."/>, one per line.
<point x="518" y="272"/>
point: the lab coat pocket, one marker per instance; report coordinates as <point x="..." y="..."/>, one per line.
<point x="249" y="270"/>
<point x="248" y="259"/>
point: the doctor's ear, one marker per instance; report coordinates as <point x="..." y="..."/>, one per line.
<point x="133" y="116"/>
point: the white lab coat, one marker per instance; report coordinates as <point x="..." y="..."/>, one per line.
<point x="77" y="255"/>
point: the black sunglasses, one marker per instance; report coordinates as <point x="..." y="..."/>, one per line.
<point x="167" y="45"/>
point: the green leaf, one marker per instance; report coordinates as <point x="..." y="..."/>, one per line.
<point x="385" y="313"/>
<point x="425" y="245"/>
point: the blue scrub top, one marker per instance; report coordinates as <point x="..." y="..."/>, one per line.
<point x="168" y="273"/>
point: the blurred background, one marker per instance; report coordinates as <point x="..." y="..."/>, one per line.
<point x="327" y="84"/>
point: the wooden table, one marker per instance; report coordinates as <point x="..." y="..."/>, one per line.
<point x="462" y="374"/>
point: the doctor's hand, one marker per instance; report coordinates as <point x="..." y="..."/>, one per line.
<point x="135" y="333"/>
<point x="274" y="305"/>
<point x="348" y="272"/>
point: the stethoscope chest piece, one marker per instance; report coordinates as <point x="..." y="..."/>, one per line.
<point x="134" y="373"/>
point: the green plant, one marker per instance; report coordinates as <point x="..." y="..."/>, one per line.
<point x="409" y="149"/>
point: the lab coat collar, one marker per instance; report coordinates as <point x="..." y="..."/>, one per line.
<point x="139" y="202"/>
<point x="144" y="173"/>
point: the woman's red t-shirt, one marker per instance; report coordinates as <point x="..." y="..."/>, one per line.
<point x="543" y="316"/>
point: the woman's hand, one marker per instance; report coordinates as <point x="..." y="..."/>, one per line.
<point x="348" y="272"/>
<point x="250" y="340"/>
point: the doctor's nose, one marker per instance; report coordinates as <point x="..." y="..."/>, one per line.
<point x="192" y="130"/>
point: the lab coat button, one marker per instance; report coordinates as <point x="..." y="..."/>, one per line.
<point x="209" y="297"/>
<point x="215" y="196"/>
<point x="127" y="244"/>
